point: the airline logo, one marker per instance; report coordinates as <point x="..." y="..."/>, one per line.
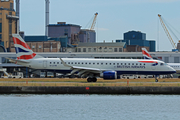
<point x="23" y="51"/>
<point x="146" y="54"/>
<point x="155" y="63"/>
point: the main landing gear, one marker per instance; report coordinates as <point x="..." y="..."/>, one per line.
<point x="91" y="79"/>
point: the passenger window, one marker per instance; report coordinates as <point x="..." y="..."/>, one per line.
<point x="140" y="63"/>
<point x="75" y="63"/>
<point x="117" y="63"/>
<point x="57" y="62"/>
<point x="132" y="63"/>
<point x="106" y="63"/>
<point x="136" y="63"/>
<point x="121" y="63"/>
<point x="124" y="63"/>
<point x="50" y="62"/>
<point x="86" y="63"/>
<point x="72" y="63"/>
<point x="97" y="63"/>
<point x="78" y="62"/>
<point x="101" y="63"/>
<point x="89" y="63"/>
<point x="68" y="62"/>
<point x="113" y="63"/>
<point x="54" y="63"/>
<point x="109" y="63"/>
<point x="82" y="62"/>
<point x="93" y="63"/>
<point x="129" y="63"/>
<point x="144" y="64"/>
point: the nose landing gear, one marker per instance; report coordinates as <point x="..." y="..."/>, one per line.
<point x="156" y="80"/>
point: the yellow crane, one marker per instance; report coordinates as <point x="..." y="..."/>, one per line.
<point x="94" y="21"/>
<point x="167" y="32"/>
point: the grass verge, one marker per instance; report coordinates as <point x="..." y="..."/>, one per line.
<point x="82" y="82"/>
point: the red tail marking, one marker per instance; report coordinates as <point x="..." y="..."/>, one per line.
<point x="27" y="57"/>
<point x="19" y="42"/>
<point x="145" y="53"/>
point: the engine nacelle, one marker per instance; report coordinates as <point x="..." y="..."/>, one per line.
<point x="109" y="75"/>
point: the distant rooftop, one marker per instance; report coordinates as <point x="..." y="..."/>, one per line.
<point x="63" y="24"/>
<point x="35" y="38"/>
<point x="102" y="44"/>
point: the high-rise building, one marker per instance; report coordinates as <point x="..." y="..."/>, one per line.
<point x="8" y="22"/>
<point x="135" y="40"/>
<point x="63" y="29"/>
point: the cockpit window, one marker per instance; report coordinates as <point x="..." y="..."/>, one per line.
<point x="162" y="64"/>
<point x="165" y="64"/>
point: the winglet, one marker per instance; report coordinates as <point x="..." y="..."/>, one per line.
<point x="64" y="63"/>
<point x="145" y="53"/>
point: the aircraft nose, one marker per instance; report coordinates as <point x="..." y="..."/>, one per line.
<point x="172" y="69"/>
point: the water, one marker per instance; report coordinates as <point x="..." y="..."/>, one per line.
<point x="89" y="107"/>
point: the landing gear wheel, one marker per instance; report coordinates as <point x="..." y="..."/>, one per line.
<point x="89" y="80"/>
<point x="94" y="79"/>
<point x="156" y="80"/>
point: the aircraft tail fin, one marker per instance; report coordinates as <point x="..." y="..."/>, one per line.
<point x="145" y="53"/>
<point x="23" y="51"/>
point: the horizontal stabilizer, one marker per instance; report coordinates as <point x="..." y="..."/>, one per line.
<point x="14" y="61"/>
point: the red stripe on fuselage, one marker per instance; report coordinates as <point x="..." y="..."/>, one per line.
<point x="145" y="53"/>
<point x="19" y="42"/>
<point x="148" y="61"/>
<point x="27" y="57"/>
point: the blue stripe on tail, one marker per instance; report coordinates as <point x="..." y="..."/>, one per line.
<point x="145" y="57"/>
<point x="20" y="50"/>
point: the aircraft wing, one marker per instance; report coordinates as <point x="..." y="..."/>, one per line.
<point x="81" y="70"/>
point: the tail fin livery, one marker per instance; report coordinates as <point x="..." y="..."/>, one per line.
<point x="145" y="53"/>
<point x="23" y="51"/>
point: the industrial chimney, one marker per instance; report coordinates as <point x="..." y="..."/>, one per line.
<point x="17" y="14"/>
<point x="47" y="17"/>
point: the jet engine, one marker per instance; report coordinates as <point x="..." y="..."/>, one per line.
<point x="106" y="75"/>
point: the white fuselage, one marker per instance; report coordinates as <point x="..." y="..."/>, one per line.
<point x="122" y="66"/>
<point x="176" y="66"/>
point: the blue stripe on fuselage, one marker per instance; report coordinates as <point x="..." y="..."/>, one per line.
<point x="126" y="72"/>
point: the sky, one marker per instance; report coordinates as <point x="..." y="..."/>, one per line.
<point x="115" y="17"/>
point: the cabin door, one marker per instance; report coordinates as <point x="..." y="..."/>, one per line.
<point x="44" y="64"/>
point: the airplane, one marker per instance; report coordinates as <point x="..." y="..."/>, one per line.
<point x="146" y="55"/>
<point x="87" y="67"/>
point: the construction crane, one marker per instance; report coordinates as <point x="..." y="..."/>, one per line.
<point x="167" y="32"/>
<point x="94" y="21"/>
